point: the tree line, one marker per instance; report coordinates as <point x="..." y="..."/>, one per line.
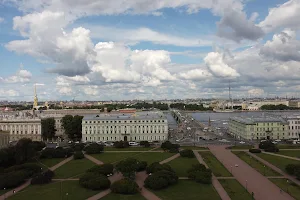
<point x="277" y="107"/>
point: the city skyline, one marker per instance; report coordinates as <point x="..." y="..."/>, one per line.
<point x="170" y="50"/>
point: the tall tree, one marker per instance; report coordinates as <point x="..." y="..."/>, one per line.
<point x="73" y="126"/>
<point x="48" y="128"/>
<point x="24" y="150"/>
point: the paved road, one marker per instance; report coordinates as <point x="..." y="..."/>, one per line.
<point x="251" y="179"/>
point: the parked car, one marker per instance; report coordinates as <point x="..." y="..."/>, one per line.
<point x="242" y="142"/>
<point x="133" y="143"/>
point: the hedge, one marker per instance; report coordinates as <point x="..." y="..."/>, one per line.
<point x="42" y="178"/>
<point x="125" y="186"/>
<point x="121" y="144"/>
<point x="145" y="143"/>
<point x="141" y="166"/>
<point x="30" y="168"/>
<point x="104" y="169"/>
<point x="56" y="153"/>
<point x="254" y="150"/>
<point x="156" y="166"/>
<point x="94" y="181"/>
<point x="187" y="153"/>
<point x="161" y="179"/>
<point x="13" y="179"/>
<point x="200" y="174"/>
<point x="93" y="148"/>
<point x="78" y="155"/>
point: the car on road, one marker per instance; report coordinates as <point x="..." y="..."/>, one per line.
<point x="223" y="140"/>
<point x="277" y="140"/>
<point x="133" y="143"/>
<point x="242" y="142"/>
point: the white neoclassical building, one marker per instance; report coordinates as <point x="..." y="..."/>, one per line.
<point x="138" y="126"/>
<point x="294" y="127"/>
<point x="21" y="127"/>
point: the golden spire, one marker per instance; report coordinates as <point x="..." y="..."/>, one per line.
<point x="35" y="100"/>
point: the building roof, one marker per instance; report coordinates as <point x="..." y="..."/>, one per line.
<point x="127" y="116"/>
<point x="254" y="120"/>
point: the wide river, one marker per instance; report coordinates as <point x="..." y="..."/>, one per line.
<point x="220" y="119"/>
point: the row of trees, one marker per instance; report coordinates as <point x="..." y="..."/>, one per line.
<point x="277" y="107"/>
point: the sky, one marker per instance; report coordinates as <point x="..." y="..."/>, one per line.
<point x="149" y="49"/>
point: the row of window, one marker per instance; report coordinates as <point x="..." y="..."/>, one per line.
<point x="125" y="121"/>
<point x="117" y="132"/>
<point x="296" y="127"/>
<point x="128" y="127"/>
<point x="135" y="138"/>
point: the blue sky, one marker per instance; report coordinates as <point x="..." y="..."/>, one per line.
<point x="148" y="49"/>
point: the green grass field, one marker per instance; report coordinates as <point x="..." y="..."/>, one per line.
<point x="235" y="190"/>
<point x="258" y="166"/>
<point x="128" y="149"/>
<point x="288" y="146"/>
<point x="50" y="162"/>
<point x="73" y="168"/>
<point x="113" y="157"/>
<point x="241" y="147"/>
<point x="277" y="161"/>
<point x="55" y="190"/>
<point x="189" y="190"/>
<point x="153" y="157"/>
<point x="3" y="191"/>
<point x="292" y="153"/>
<point x="290" y="187"/>
<point x="214" y="164"/>
<point x="194" y="148"/>
<point x="113" y="196"/>
<point x="181" y="165"/>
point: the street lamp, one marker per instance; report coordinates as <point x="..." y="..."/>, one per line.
<point x="67" y="194"/>
<point x="4" y="196"/>
<point x="287" y="187"/>
<point x="264" y="170"/>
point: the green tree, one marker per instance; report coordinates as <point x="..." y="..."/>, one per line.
<point x="48" y="128"/>
<point x="73" y="126"/>
<point x="24" y="151"/>
<point x="128" y="167"/>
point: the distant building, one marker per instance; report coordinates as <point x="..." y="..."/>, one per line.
<point x="139" y="126"/>
<point x="22" y="128"/>
<point x="258" y="128"/>
<point x="4" y="139"/>
<point x="294" y="127"/>
<point x="294" y="104"/>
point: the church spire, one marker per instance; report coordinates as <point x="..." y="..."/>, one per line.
<point x="35" y="100"/>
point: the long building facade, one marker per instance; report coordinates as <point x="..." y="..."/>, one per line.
<point x="294" y="127"/>
<point x="259" y="128"/>
<point x="22" y="128"/>
<point x="4" y="139"/>
<point x="139" y="126"/>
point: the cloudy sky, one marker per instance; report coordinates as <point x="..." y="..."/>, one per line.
<point x="148" y="49"/>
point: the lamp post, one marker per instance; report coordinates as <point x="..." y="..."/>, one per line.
<point x="264" y="170"/>
<point x="67" y="194"/>
<point x="4" y="196"/>
<point x="287" y="187"/>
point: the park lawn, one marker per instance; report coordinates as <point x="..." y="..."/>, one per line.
<point x="193" y="148"/>
<point x="181" y="165"/>
<point x="113" y="196"/>
<point x="292" y="153"/>
<point x="73" y="168"/>
<point x="3" y="191"/>
<point x="128" y="149"/>
<point x="114" y="157"/>
<point x="288" y="146"/>
<point x="241" y="147"/>
<point x="189" y="190"/>
<point x="235" y="190"/>
<point x="257" y="165"/>
<point x="55" y="190"/>
<point x="50" y="162"/>
<point x="277" y="161"/>
<point x="151" y="157"/>
<point x="292" y="188"/>
<point x="214" y="164"/>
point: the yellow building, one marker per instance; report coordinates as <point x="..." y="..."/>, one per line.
<point x="4" y="139"/>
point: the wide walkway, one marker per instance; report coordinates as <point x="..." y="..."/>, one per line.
<point x="94" y="160"/>
<point x="284" y="156"/>
<point x="262" y="188"/>
<point x="140" y="178"/>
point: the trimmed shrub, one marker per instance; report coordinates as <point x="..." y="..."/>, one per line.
<point x="94" y="181"/>
<point x="292" y="169"/>
<point x="141" y="166"/>
<point x="94" y="148"/>
<point x="121" y="144"/>
<point x="169" y="146"/>
<point x="156" y="166"/>
<point x="104" y="169"/>
<point x="187" y="153"/>
<point x="161" y="179"/>
<point x="30" y="168"/>
<point x="128" y="167"/>
<point x="37" y="145"/>
<point x="42" y="178"/>
<point x="78" y="155"/>
<point x="145" y="143"/>
<point x="56" y="153"/>
<point x="78" y="147"/>
<point x="125" y="186"/>
<point x="200" y="174"/>
<point x="266" y="144"/>
<point x="13" y="179"/>
<point x="254" y="150"/>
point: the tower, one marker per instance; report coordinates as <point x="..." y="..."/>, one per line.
<point x="35" y="100"/>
